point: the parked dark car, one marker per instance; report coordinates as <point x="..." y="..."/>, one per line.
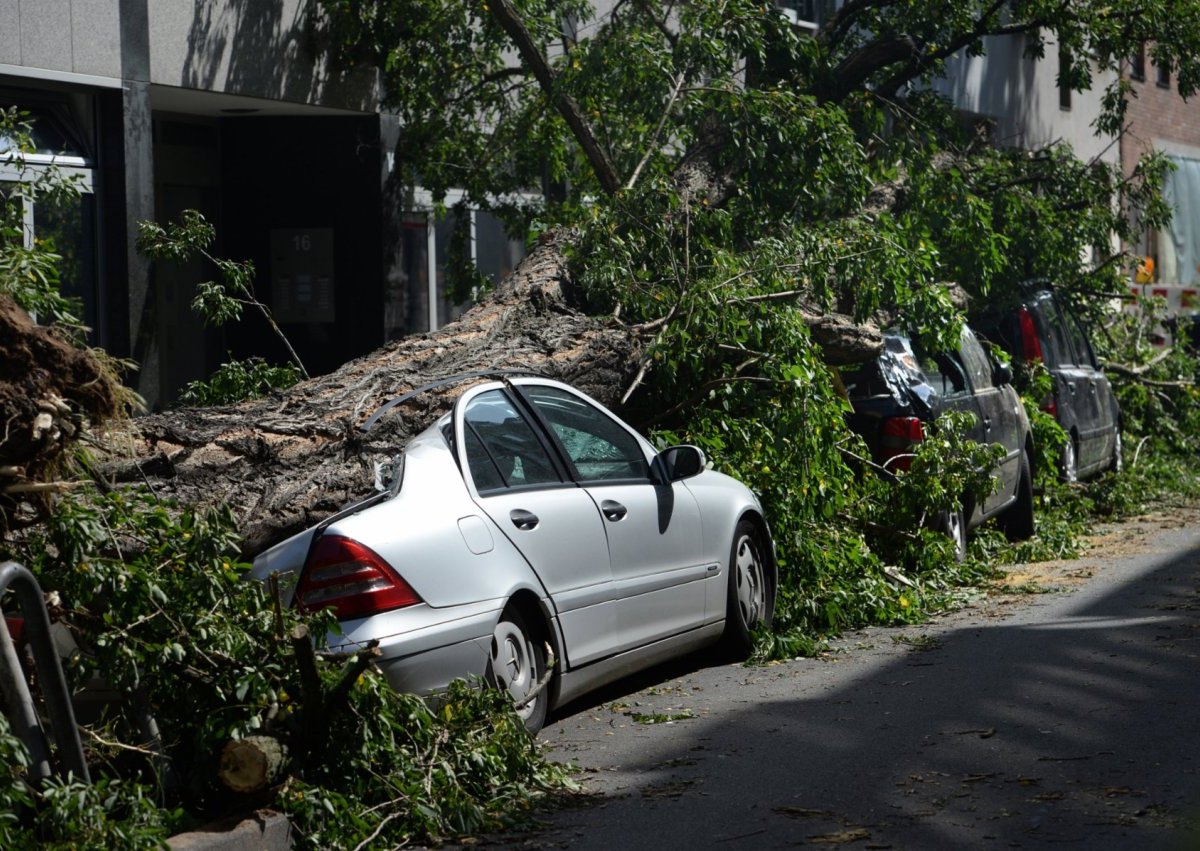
<point x="1044" y="330"/>
<point x="894" y="396"/>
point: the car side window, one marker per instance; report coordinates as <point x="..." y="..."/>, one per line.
<point x="945" y="373"/>
<point x="1083" y="348"/>
<point x="599" y="448"/>
<point x="501" y="448"/>
<point x="1056" y="324"/>
<point x="979" y="366"/>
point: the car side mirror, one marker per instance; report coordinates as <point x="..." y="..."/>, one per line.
<point x="1002" y="374"/>
<point x="680" y="462"/>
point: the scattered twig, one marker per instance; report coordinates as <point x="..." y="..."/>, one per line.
<point x="120" y="745"/>
<point x="532" y="694"/>
<point x="362" y="661"/>
<point x="44" y="487"/>
<point x="378" y="828"/>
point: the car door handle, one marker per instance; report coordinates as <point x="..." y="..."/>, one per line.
<point x="522" y="519"/>
<point x="614" y="511"/>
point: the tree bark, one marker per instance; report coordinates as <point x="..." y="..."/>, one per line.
<point x="252" y="764"/>
<point x="287" y="461"/>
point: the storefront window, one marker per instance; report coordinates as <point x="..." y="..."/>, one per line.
<point x="406" y="289"/>
<point x="46" y="199"/>
<point x="65" y="227"/>
<point x="423" y="251"/>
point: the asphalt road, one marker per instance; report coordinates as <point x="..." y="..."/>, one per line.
<point x="1064" y="718"/>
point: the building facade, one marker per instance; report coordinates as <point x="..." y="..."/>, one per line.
<point x="1159" y="119"/>
<point x="229" y="107"/>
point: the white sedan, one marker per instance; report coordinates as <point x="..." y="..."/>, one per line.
<point x="531" y="520"/>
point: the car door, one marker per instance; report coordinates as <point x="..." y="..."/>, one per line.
<point x="947" y="375"/>
<point x="653" y="529"/>
<point x="1097" y="427"/>
<point x="1001" y="419"/>
<point x="1071" y="388"/>
<point x="554" y="523"/>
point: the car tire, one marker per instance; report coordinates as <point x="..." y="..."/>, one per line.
<point x="953" y="525"/>
<point x="751" y="590"/>
<point x="1070" y="461"/>
<point x="1117" y="464"/>
<point x="1017" y="520"/>
<point x="516" y="664"/>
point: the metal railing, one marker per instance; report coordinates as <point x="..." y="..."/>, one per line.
<point x="22" y="711"/>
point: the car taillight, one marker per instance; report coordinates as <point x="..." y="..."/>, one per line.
<point x="16" y="628"/>
<point x="352" y="579"/>
<point x="1031" y="346"/>
<point x="897" y="438"/>
<point x="1050" y="407"/>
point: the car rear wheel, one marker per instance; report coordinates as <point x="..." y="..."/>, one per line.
<point x="751" y="594"/>
<point x="953" y="525"/>
<point x="1017" y="520"/>
<point x="1070" y="464"/>
<point x="517" y="664"/>
<point x="1117" y="464"/>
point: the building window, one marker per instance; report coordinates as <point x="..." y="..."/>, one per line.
<point x="1162" y="75"/>
<point x="61" y="223"/>
<point x="1064" y="77"/>
<point x="417" y="297"/>
<point x="806" y="14"/>
<point x="1137" y="63"/>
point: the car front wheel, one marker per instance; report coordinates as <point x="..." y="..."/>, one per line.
<point x="517" y="664"/>
<point x="751" y="593"/>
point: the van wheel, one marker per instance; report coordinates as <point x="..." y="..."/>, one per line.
<point x="1070" y="462"/>
<point x="953" y="525"/>
<point x="1017" y="520"/>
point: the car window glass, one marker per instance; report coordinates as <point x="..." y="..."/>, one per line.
<point x="600" y="448"/>
<point x="502" y="450"/>
<point x="975" y="359"/>
<point x="944" y="373"/>
<point x="1083" y="349"/>
<point x="1059" y="338"/>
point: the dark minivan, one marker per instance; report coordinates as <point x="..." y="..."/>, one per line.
<point x="894" y="396"/>
<point x="1044" y="330"/>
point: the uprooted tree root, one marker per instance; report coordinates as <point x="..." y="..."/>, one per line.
<point x="50" y="390"/>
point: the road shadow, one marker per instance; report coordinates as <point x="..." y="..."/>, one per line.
<point x="1070" y="721"/>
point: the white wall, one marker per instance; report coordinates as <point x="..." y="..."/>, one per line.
<point x="1022" y="97"/>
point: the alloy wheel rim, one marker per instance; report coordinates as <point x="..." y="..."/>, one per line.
<point x="749" y="577"/>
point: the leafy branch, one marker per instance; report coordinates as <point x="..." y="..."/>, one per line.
<point x="217" y="301"/>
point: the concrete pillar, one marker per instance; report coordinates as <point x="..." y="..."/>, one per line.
<point x="139" y="192"/>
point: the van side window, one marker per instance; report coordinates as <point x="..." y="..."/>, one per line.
<point x="1083" y="348"/>
<point x="1060" y="340"/>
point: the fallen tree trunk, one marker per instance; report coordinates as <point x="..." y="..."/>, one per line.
<point x="252" y="764"/>
<point x="289" y="460"/>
